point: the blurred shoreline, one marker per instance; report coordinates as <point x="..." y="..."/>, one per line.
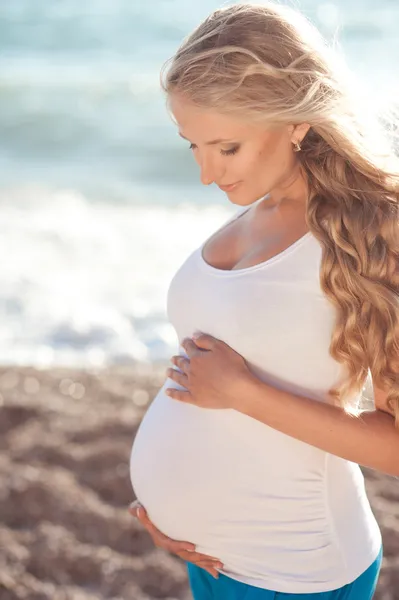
<point x="65" y="441"/>
<point x="95" y="182"/>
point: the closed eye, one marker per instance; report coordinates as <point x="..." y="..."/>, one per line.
<point x="224" y="152"/>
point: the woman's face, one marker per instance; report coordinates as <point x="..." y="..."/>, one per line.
<point x="258" y="160"/>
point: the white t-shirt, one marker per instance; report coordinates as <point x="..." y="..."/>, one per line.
<point x="279" y="513"/>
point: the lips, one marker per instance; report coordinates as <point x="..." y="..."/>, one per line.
<point x="228" y="188"/>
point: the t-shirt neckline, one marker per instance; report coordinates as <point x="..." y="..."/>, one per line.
<point x="232" y="272"/>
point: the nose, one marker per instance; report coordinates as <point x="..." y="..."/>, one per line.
<point x="207" y="171"/>
<point x="205" y="179"/>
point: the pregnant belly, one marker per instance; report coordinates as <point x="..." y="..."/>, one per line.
<point x="216" y="477"/>
<point x="176" y="465"/>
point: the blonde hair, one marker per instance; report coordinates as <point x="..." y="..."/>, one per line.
<point x="268" y="63"/>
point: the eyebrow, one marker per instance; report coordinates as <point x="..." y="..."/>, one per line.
<point x="211" y="143"/>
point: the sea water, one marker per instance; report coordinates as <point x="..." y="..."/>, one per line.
<point x="100" y="199"/>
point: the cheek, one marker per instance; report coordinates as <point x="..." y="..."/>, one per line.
<point x="275" y="157"/>
<point x="252" y="162"/>
<point x="265" y="162"/>
<point x="262" y="164"/>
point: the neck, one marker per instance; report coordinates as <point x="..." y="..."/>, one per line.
<point x="292" y="193"/>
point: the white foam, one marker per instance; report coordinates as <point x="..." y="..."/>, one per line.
<point x="85" y="283"/>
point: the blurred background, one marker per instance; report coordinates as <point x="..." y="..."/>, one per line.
<point x="100" y="199"/>
<point x="100" y="203"/>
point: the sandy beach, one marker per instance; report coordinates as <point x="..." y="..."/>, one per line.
<point x="65" y="531"/>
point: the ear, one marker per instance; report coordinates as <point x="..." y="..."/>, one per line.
<point x="299" y="131"/>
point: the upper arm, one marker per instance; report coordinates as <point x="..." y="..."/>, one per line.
<point x="380" y="400"/>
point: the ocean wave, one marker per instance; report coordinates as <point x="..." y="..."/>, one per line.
<point x="74" y="286"/>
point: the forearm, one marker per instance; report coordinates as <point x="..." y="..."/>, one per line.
<point x="370" y="439"/>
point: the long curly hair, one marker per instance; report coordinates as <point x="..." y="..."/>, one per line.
<point x="269" y="64"/>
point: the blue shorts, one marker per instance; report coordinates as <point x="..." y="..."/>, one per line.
<point x="206" y="587"/>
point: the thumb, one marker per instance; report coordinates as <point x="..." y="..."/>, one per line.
<point x="133" y="508"/>
<point x="203" y="340"/>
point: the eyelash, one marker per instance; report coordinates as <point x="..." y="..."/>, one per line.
<point x="224" y="152"/>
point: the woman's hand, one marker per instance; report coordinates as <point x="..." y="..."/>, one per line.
<point x="214" y="375"/>
<point x="184" y="550"/>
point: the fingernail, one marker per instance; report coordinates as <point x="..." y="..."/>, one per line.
<point x="133" y="509"/>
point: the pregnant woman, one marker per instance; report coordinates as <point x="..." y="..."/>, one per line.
<point x="246" y="463"/>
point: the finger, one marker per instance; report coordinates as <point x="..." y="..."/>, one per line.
<point x="149" y="525"/>
<point x="180" y="395"/>
<point x="208" y="566"/>
<point x="133" y="508"/>
<point x="204" y="340"/>
<point x="163" y="540"/>
<point x="177" y="376"/>
<point x="174" y="546"/>
<point x="197" y="556"/>
<point x="215" y="564"/>
<point x="142" y="514"/>
<point x="210" y="570"/>
<point x="182" y="363"/>
<point x="138" y="511"/>
<point x="189" y="347"/>
<point x="185" y="546"/>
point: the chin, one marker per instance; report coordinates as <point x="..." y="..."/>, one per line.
<point x="240" y="203"/>
<point x="243" y="201"/>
